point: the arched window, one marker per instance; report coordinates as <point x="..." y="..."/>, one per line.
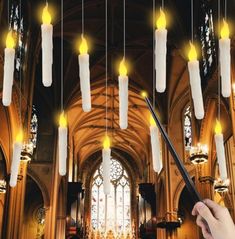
<point x="187" y="128"/>
<point x="34" y="127"/>
<point x="111" y="212"/>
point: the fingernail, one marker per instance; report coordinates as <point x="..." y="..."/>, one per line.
<point x="200" y="205"/>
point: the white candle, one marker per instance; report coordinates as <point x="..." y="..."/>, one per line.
<point x="47" y="48"/>
<point x="219" y="143"/>
<point x="106" y="163"/>
<point x="17" y="148"/>
<point x="9" y="63"/>
<point x="195" y="83"/>
<point x="62" y="145"/>
<point x="160" y="53"/>
<point x="225" y="61"/>
<point x="84" y="74"/>
<point x="156" y="148"/>
<point x="123" y="95"/>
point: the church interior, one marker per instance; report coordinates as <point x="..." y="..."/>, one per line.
<point x="81" y="154"/>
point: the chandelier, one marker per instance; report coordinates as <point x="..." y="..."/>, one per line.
<point x="199" y="154"/>
<point x="3" y="186"/>
<point x="221" y="186"/>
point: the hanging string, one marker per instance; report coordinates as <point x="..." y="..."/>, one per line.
<point x="124" y="28"/>
<point x="106" y="66"/>
<point x="218" y="63"/>
<point x="162" y="4"/>
<point x="20" y="68"/>
<point x="62" y="55"/>
<point x="154" y="15"/>
<point x="8" y="14"/>
<point x="225" y="9"/>
<point x="82" y="17"/>
<point x="192" y="24"/>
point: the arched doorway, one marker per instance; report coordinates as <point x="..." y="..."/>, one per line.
<point x="112" y="212"/>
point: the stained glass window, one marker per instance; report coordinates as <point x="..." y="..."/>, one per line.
<point x="111" y="212"/>
<point x="187" y="128"/>
<point x="34" y="127"/>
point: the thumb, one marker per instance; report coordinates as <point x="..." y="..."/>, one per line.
<point x="205" y="212"/>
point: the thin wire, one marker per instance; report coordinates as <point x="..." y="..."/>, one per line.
<point x="225" y="9"/>
<point x="20" y="68"/>
<point x="124" y="28"/>
<point x="162" y="4"/>
<point x="8" y="13"/>
<point x="192" y="24"/>
<point x="82" y="17"/>
<point x="218" y="63"/>
<point x="106" y="66"/>
<point x="154" y="15"/>
<point x="62" y="54"/>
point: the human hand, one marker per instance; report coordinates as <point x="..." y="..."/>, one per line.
<point x="218" y="219"/>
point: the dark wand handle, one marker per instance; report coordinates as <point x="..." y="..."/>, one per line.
<point x="187" y="179"/>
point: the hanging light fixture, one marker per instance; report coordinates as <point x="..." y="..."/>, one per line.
<point x="9" y="62"/>
<point x="62" y="144"/>
<point x="123" y="95"/>
<point x="47" y="47"/>
<point x="156" y="146"/>
<point x="160" y="52"/>
<point x="199" y="154"/>
<point x="62" y="130"/>
<point x="15" y="163"/>
<point x="221" y="186"/>
<point x="219" y="143"/>
<point x="84" y="73"/>
<point x="3" y="186"/>
<point x="106" y="163"/>
<point x="225" y="60"/>
<point x="195" y="82"/>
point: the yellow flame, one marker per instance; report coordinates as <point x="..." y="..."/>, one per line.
<point x="122" y="68"/>
<point x="46" y="16"/>
<point x="106" y="142"/>
<point x="63" y="121"/>
<point x="83" y="46"/>
<point x="152" y="121"/>
<point x="144" y="94"/>
<point x="192" y="55"/>
<point x="10" y="43"/>
<point x="161" y="21"/>
<point x="225" y="30"/>
<point x="218" y="127"/>
<point x="19" y="136"/>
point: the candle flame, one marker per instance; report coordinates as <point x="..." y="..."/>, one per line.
<point x="10" y="43"/>
<point x="106" y="142"/>
<point x="122" y="68"/>
<point x="192" y="55"/>
<point x="19" y="136"/>
<point x="63" y="121"/>
<point x="144" y="94"/>
<point x="46" y="17"/>
<point x="152" y="121"/>
<point x="225" y="30"/>
<point x="83" y="46"/>
<point x="218" y="127"/>
<point x="161" y="21"/>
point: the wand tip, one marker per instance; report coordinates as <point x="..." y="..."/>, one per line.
<point x="144" y="94"/>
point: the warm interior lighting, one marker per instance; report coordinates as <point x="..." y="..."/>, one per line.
<point x="46" y="17"/>
<point x="19" y="136"/>
<point x="225" y="30"/>
<point x="10" y="43"/>
<point x="106" y="142"/>
<point x="83" y="46"/>
<point x="144" y="94"/>
<point x="192" y="55"/>
<point x="63" y="121"/>
<point x="152" y="121"/>
<point x="161" y="21"/>
<point x="233" y="86"/>
<point x="218" y="127"/>
<point x="122" y="68"/>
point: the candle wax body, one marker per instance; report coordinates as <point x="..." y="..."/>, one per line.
<point x="106" y="163"/>
<point x="63" y="141"/>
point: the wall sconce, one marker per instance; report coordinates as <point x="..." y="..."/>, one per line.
<point x="199" y="154"/>
<point x="3" y="186"/>
<point x="221" y="186"/>
<point x="27" y="152"/>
